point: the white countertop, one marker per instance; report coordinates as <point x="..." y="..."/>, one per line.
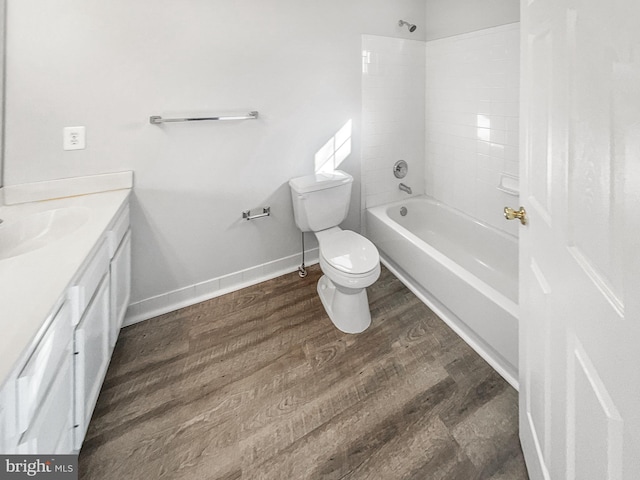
<point x="31" y="284"/>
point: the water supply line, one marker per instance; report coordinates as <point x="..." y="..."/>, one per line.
<point x="302" y="271"/>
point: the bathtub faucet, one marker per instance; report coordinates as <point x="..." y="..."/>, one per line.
<point x="404" y="188"/>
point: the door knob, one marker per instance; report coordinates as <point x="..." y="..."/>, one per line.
<point x="511" y="214"/>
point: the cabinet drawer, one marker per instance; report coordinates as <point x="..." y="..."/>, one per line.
<point x="90" y="278"/>
<point x="40" y="371"/>
<point x="118" y="231"/>
<point x="52" y="429"/>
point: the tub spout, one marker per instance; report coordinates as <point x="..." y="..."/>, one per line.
<point x="404" y="188"/>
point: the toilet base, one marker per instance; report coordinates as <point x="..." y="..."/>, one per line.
<point x="347" y="308"/>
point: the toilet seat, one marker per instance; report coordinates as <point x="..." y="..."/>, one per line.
<point x="349" y="280"/>
<point x="348" y="259"/>
<point x="347" y="252"/>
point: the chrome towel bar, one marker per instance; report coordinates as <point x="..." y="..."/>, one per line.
<point x="266" y="212"/>
<point x="157" y="120"/>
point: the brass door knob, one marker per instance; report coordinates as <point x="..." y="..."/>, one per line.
<point x="511" y="214"/>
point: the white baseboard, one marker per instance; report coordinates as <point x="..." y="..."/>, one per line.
<point x="451" y="320"/>
<point x="200" y="292"/>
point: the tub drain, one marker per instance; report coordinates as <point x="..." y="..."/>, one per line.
<point x="403" y="211"/>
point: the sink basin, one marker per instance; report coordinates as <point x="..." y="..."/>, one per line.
<point x="38" y="230"/>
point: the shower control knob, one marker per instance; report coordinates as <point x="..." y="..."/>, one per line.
<point x="511" y="214"/>
<point x="400" y="169"/>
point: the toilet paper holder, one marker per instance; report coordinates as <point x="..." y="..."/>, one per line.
<point x="266" y="212"/>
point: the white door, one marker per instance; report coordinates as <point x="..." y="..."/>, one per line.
<point x="580" y="252"/>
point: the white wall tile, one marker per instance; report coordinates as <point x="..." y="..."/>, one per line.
<point x="394" y="118"/>
<point x="471" y="103"/>
<point x="511" y="153"/>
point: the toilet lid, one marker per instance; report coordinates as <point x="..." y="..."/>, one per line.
<point x="349" y="252"/>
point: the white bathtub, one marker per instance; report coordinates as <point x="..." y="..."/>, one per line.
<point x="466" y="271"/>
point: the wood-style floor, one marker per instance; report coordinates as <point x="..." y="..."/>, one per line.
<point x="259" y="384"/>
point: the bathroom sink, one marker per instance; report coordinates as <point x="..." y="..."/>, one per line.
<point x="37" y="230"/>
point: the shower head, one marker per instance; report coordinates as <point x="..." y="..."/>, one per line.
<point x="410" y="26"/>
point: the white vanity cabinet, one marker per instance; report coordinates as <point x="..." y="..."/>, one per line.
<point x="46" y="403"/>
<point x="108" y="278"/>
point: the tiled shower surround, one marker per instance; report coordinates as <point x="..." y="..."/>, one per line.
<point x="472" y="93"/>
<point x="448" y="107"/>
<point x="393" y="79"/>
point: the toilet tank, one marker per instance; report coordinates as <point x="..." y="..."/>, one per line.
<point x="321" y="201"/>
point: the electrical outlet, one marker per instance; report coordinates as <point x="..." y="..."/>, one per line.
<point x="74" y="138"/>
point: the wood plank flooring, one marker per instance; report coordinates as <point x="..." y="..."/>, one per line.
<point x="259" y="384"/>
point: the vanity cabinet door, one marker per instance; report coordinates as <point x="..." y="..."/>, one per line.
<point x="8" y="417"/>
<point x="92" y="354"/>
<point x="52" y="428"/>
<point x="120" y="286"/>
<point x="42" y="369"/>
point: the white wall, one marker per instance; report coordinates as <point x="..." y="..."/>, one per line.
<point x="472" y="108"/>
<point x="453" y="17"/>
<point x="109" y="65"/>
<point x="393" y="95"/>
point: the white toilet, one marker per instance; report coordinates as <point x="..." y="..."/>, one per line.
<point x="349" y="261"/>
